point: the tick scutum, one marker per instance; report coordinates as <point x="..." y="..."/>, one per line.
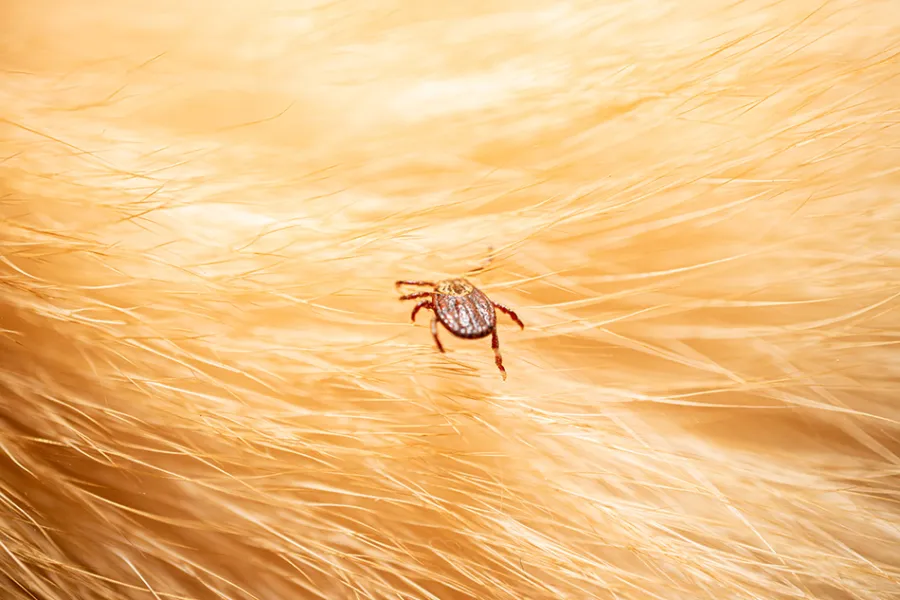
<point x="464" y="309"/>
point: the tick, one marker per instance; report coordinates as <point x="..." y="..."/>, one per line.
<point x="463" y="309"/>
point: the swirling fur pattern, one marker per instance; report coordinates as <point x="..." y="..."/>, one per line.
<point x="208" y="389"/>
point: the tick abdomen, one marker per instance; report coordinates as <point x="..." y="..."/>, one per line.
<point x="463" y="309"/>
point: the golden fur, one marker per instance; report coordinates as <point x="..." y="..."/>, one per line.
<point x="209" y="390"/>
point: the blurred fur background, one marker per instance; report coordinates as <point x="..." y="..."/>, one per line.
<point x="209" y="390"/>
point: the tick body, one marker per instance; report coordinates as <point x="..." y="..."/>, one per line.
<point x="463" y="309"/>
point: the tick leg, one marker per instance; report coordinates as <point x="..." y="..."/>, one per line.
<point x="415" y="295"/>
<point x="495" y="344"/>
<point x="418" y="283"/>
<point x="511" y="313"/>
<point x="423" y="304"/>
<point x="434" y="334"/>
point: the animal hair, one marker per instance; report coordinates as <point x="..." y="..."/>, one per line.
<point x="208" y="389"/>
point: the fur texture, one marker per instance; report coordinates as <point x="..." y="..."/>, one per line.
<point x="208" y="389"/>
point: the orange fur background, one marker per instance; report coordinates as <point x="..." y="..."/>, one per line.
<point x="209" y="390"/>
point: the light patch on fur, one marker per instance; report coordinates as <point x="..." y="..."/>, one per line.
<point x="429" y="99"/>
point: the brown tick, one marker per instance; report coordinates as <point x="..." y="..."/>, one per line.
<point x="463" y="309"/>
